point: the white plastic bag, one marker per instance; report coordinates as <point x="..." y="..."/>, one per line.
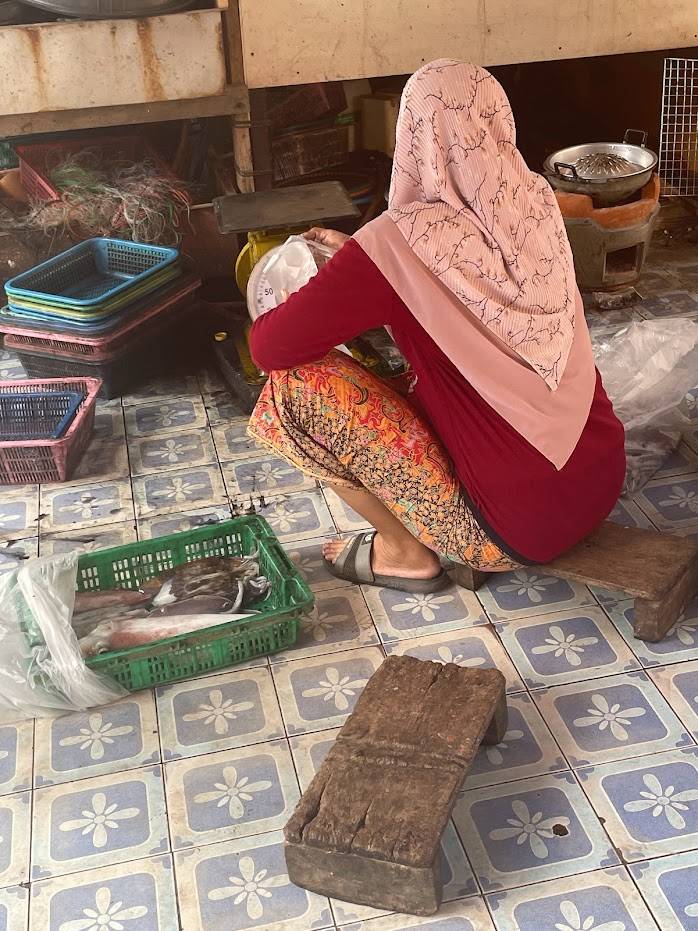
<point x="647" y="368"/>
<point x="36" y="603"/>
<point x="291" y="266"/>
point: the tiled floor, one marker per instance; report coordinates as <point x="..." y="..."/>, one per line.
<point x="164" y="811"/>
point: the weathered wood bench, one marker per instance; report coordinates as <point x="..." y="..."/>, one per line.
<point x="368" y="828"/>
<point x="659" y="571"/>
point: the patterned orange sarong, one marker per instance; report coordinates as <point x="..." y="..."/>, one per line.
<point x="338" y="422"/>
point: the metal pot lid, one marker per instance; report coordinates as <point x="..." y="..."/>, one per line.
<point x="598" y="166"/>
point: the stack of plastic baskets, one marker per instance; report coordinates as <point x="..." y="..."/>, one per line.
<point x="96" y="310"/>
<point x="45" y="427"/>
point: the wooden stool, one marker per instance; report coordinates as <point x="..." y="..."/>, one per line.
<point x="368" y="828"/>
<point x="659" y="571"/>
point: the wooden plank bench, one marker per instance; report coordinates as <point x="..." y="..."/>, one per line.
<point x="659" y="571"/>
<point x="368" y="828"/>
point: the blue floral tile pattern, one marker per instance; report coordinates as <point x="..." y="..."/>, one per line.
<point x="149" y="527"/>
<point x="308" y="557"/>
<point x="173" y="492"/>
<point x="679" y="685"/>
<point x="649" y="805"/>
<point x="16" y="752"/>
<point x="164" y="417"/>
<point x="567" y="647"/>
<point x="530" y="831"/>
<point x="320" y="692"/>
<point x="86" y="506"/>
<point x="15" y="832"/>
<point x="345" y="518"/>
<point x="628" y="514"/>
<point x="222" y="796"/>
<point x="605" y="900"/>
<point x="339" y="621"/>
<point x="164" y="453"/>
<point x="309" y="750"/>
<point x="527" y="749"/>
<point x="671" y="504"/>
<point x="297" y="517"/>
<point x="610" y="719"/>
<point x="528" y="593"/>
<point x="14" y="908"/>
<point x="98" y="822"/>
<point x="243" y="884"/>
<point x="19" y="511"/>
<point x="106" y="740"/>
<point x="232" y="441"/>
<point x="234" y="709"/>
<point x="468" y="915"/>
<point x="265" y="475"/>
<point x="669" y="886"/>
<point x="399" y="616"/>
<point x="138" y="896"/>
<point x="220" y="407"/>
<point x="680" y="643"/>
<point x="68" y="541"/>
<point x="474" y="648"/>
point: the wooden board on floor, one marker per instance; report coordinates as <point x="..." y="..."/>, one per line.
<point x="643" y="563"/>
<point x="368" y="828"/>
<point x="658" y="570"/>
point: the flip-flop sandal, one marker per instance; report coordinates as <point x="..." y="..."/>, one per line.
<point x="354" y="565"/>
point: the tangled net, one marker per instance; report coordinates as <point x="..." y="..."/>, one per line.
<point x="103" y="194"/>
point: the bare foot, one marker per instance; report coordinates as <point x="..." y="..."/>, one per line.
<point x="413" y="562"/>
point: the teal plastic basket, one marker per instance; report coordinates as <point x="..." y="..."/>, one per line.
<point x="91" y="273"/>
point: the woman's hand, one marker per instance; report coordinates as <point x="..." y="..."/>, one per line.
<point x="333" y="239"/>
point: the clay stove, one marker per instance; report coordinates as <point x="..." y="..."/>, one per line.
<point x="610" y="243"/>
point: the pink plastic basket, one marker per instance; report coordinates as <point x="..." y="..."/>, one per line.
<point x="29" y="462"/>
<point x="101" y="348"/>
<point x="37" y="161"/>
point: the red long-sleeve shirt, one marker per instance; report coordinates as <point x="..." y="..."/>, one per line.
<point x="532" y="510"/>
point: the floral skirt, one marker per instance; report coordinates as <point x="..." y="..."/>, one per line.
<point x="336" y="421"/>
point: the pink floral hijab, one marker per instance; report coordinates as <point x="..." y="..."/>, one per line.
<point x="475" y="246"/>
<point x="485" y="225"/>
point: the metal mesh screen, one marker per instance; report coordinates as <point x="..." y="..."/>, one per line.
<point x="678" y="150"/>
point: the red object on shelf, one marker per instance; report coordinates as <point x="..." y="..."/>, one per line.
<point x="28" y="462"/>
<point x="37" y="161"/>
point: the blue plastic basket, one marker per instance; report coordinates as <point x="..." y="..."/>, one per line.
<point x="91" y="273"/>
<point x="37" y="415"/>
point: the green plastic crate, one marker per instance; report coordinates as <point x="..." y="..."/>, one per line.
<point x="274" y="628"/>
